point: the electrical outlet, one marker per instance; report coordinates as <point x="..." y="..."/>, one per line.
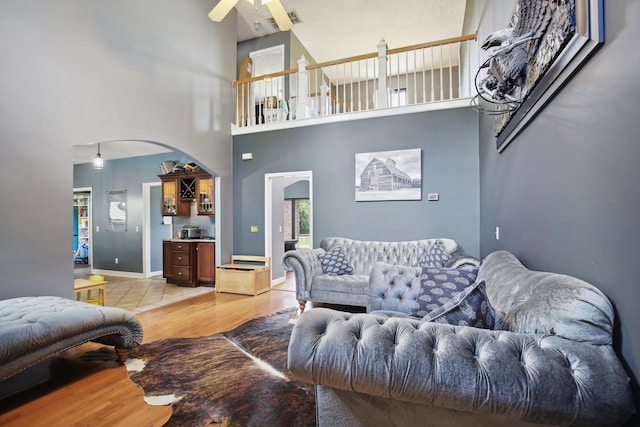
<point x="116" y="260"/>
<point x="433" y="197"/>
<point x="254" y="228"/>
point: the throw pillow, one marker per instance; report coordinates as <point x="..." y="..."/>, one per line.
<point x="467" y="308"/>
<point x="439" y="285"/>
<point x="436" y="256"/>
<point x="334" y="262"/>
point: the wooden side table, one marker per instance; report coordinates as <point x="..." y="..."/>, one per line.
<point x="80" y="285"/>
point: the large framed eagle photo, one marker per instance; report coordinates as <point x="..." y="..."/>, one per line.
<point x="531" y="59"/>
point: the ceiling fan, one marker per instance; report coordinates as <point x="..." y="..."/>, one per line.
<point x="275" y="7"/>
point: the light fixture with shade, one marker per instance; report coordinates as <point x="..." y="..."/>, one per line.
<point x="98" y="161"/>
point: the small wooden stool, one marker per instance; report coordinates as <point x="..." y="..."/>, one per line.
<point x="80" y="285"/>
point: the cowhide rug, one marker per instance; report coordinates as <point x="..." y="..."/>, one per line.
<point x="237" y="378"/>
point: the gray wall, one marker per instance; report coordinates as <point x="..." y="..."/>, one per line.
<point x="449" y="143"/>
<point x="84" y="71"/>
<point x="565" y="193"/>
<point x="121" y="174"/>
<point x="297" y="190"/>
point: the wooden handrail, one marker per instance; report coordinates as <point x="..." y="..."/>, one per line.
<point x="265" y="76"/>
<point x="433" y="44"/>
<point x="360" y="58"/>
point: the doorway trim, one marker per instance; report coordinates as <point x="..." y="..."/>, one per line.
<point x="90" y="191"/>
<point x="146" y="230"/>
<point x="268" y="209"/>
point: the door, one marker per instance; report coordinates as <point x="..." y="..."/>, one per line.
<point x="275" y="184"/>
<point x="156" y="229"/>
<point x="267" y="93"/>
<point x="206" y="264"/>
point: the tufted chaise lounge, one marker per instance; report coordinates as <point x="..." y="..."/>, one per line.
<point x="312" y="284"/>
<point x="35" y="328"/>
<point x="549" y="362"/>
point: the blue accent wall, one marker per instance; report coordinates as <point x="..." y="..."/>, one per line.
<point x="122" y="174"/>
<point x="449" y="143"/>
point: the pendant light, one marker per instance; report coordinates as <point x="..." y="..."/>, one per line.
<point x="98" y="161"/>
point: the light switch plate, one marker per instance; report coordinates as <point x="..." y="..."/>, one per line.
<point x="433" y="197"/>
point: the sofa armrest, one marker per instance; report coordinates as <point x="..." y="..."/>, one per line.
<point x="305" y="266"/>
<point x="458" y="260"/>
<point x="539" y="379"/>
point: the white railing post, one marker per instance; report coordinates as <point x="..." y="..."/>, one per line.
<point x="324" y="99"/>
<point x="303" y="89"/>
<point x="381" y="100"/>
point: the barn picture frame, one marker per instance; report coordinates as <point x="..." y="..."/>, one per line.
<point x="388" y="175"/>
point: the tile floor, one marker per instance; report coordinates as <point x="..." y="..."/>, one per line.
<point x="138" y="295"/>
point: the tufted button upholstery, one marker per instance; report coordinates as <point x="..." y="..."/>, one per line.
<point x="34" y="328"/>
<point x="363" y="254"/>
<point x="539" y="379"/>
<point x="393" y="287"/>
<point x="551" y="363"/>
<point x="313" y="285"/>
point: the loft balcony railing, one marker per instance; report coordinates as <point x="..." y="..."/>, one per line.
<point x="389" y="78"/>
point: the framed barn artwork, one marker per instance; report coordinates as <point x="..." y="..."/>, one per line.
<point x="389" y="175"/>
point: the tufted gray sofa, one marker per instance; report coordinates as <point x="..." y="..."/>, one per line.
<point x="351" y="289"/>
<point x="550" y="362"/>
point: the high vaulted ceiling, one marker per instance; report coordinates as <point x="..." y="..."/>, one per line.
<point x="335" y="29"/>
<point x="329" y="29"/>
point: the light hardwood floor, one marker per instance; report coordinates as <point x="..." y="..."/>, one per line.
<point x="101" y="394"/>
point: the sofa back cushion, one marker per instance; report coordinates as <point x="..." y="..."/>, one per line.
<point x="536" y="302"/>
<point x="363" y="254"/>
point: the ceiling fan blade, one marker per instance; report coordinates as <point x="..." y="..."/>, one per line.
<point x="280" y="15"/>
<point x="220" y="11"/>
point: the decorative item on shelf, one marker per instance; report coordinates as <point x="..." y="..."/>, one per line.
<point x="167" y="166"/>
<point x="98" y="161"/>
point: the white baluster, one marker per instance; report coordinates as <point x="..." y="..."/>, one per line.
<point x="381" y="100"/>
<point x="432" y="78"/>
<point x="450" y="74"/>
<point x="303" y="89"/>
<point x="324" y="98"/>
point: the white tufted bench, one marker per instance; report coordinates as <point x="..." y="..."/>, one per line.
<point x="35" y="328"/>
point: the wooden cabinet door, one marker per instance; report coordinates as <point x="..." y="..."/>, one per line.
<point x="172" y="203"/>
<point x="206" y="262"/>
<point x="204" y="199"/>
<point x="167" y="260"/>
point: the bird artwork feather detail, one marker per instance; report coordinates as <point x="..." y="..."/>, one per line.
<point x="521" y="53"/>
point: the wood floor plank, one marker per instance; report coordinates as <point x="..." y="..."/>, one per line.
<point x="101" y="394"/>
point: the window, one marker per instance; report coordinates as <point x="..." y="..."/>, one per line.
<point x="297" y="225"/>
